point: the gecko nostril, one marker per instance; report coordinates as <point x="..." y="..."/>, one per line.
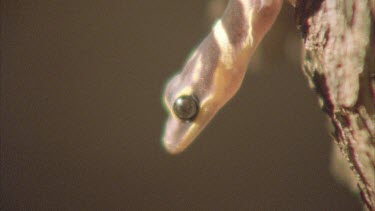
<point x="186" y="107"/>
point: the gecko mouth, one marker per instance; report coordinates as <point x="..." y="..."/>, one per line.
<point x="180" y="134"/>
<point x="175" y="140"/>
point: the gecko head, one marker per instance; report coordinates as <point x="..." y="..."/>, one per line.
<point x="193" y="96"/>
<point x="188" y="113"/>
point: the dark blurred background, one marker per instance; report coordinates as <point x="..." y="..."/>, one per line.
<point x="81" y="114"/>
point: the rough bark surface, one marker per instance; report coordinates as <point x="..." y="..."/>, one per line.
<point x="339" y="61"/>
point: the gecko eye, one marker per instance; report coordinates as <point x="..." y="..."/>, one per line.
<point x="186" y="107"/>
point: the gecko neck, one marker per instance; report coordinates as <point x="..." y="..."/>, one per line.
<point x="245" y="22"/>
<point x="238" y="33"/>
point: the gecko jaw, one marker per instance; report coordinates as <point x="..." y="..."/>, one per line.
<point x="181" y="134"/>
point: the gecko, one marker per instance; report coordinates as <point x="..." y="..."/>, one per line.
<point x="215" y="70"/>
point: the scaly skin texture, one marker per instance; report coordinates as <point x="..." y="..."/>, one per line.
<point x="215" y="71"/>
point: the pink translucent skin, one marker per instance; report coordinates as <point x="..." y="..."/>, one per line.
<point x="216" y="69"/>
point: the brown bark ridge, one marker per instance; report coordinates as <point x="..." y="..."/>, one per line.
<point x="339" y="62"/>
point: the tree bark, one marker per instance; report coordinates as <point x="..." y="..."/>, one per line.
<point x="339" y="62"/>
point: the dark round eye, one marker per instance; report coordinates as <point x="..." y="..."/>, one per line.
<point x="186" y="107"/>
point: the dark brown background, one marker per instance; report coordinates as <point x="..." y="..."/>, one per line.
<point x="81" y="114"/>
